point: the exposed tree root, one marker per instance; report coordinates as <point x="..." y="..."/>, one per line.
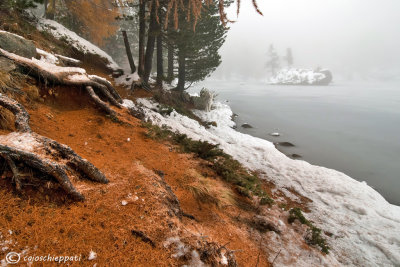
<point x="70" y="76"/>
<point x="42" y="154"/>
<point x="21" y="115"/>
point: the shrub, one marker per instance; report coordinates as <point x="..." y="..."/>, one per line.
<point x="224" y="165"/>
<point x="313" y="236"/>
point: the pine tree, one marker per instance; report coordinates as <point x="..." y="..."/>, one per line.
<point x="19" y="5"/>
<point x="289" y="57"/>
<point x="198" y="47"/>
<point x="273" y="62"/>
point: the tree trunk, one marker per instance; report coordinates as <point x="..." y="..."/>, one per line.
<point x="170" y="62"/>
<point x="160" y="67"/>
<point x="51" y="13"/>
<point x="151" y="39"/>
<point x="182" y="70"/>
<point x="142" y="35"/>
<point x="128" y="52"/>
<point x="45" y="8"/>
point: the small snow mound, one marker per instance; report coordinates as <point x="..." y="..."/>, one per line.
<point x="128" y="103"/>
<point x="195" y="260"/>
<point x="301" y="76"/>
<point x="180" y="248"/>
<point x="224" y="260"/>
<point x="92" y="255"/>
<point x="127" y="79"/>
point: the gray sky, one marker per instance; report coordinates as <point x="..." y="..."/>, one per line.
<point x="345" y="36"/>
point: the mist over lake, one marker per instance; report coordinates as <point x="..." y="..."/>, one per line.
<point x="352" y="127"/>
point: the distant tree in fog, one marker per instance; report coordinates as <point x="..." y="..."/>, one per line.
<point x="273" y="62"/>
<point x="289" y="57"/>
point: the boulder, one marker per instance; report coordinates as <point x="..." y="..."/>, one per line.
<point x="17" y="45"/>
<point x="246" y="125"/>
<point x="264" y="224"/>
<point x="287" y="144"/>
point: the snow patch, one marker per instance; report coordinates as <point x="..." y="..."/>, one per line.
<point x="360" y="219"/>
<point x="297" y="76"/>
<point x="180" y="249"/>
<point x="59" y="31"/>
<point x="92" y="255"/>
<point x="47" y="57"/>
<point x="127" y="79"/>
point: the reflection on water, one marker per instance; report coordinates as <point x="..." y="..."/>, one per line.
<point x="351" y="127"/>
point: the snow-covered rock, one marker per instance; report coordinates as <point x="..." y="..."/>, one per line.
<point x="302" y="77"/>
<point x="59" y="31"/>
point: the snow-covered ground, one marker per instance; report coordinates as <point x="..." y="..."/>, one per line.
<point x="59" y="31"/>
<point x="297" y="76"/>
<point x="365" y="227"/>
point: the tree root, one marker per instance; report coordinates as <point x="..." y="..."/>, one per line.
<point x="70" y="76"/>
<point x="43" y="154"/>
<point x="21" y="115"/>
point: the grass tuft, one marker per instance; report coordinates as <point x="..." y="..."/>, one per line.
<point x="313" y="237"/>
<point x="246" y="184"/>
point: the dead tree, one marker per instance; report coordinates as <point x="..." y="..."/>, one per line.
<point x="42" y="154"/>
<point x="70" y="76"/>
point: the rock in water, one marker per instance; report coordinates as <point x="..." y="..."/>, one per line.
<point x="17" y="45"/>
<point x="287" y="144"/>
<point x="246" y="125"/>
<point x="274" y="134"/>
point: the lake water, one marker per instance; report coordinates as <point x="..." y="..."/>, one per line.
<point x="353" y="127"/>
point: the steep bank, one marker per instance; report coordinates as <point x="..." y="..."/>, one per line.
<point x="362" y="224"/>
<point x="138" y="218"/>
<point x="161" y="208"/>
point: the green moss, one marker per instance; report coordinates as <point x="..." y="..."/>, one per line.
<point x="266" y="201"/>
<point x="313" y="237"/>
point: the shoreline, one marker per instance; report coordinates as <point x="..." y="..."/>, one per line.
<point x="338" y="201"/>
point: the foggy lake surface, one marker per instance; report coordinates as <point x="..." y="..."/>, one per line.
<point x="353" y="127"/>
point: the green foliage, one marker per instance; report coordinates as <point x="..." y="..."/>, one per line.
<point x="199" y="44"/>
<point x="165" y="110"/>
<point x="246" y="184"/>
<point x="175" y="100"/>
<point x="20" y="5"/>
<point x="224" y="165"/>
<point x="155" y="132"/>
<point x="314" y="233"/>
<point x="202" y="149"/>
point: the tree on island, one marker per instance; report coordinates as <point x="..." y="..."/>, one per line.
<point x="289" y="57"/>
<point x="273" y="61"/>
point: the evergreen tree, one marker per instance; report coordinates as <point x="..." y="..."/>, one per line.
<point x="289" y="57"/>
<point x="198" y="46"/>
<point x="273" y="62"/>
<point x="19" y="5"/>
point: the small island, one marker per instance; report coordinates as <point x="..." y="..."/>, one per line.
<point x="302" y="77"/>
